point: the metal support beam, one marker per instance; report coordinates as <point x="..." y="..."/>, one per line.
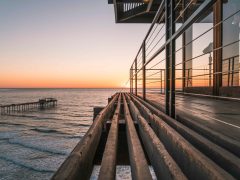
<point x="217" y="43"/>
<point x="172" y="61"/>
<point x="136" y="77"/>
<point x="184" y="50"/>
<point x="144" y="70"/>
<point x="167" y="47"/>
<point x="116" y="10"/>
<point x="130" y="80"/>
<point x="150" y="3"/>
<point x="183" y="61"/>
<point x="126" y="1"/>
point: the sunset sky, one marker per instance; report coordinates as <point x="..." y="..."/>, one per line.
<point x="65" y="43"/>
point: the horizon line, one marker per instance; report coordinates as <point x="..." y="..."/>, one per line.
<point x="64" y="87"/>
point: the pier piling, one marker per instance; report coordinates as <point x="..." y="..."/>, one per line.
<point x="42" y="104"/>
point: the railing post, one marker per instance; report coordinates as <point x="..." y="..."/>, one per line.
<point x="184" y="50"/>
<point x="170" y="60"/>
<point x="144" y="70"/>
<point x="136" y="77"/>
<point x="161" y="80"/>
<point x="130" y="79"/>
<point x="232" y="69"/>
<point x="217" y="43"/>
<point x="173" y="88"/>
<point x="167" y="74"/>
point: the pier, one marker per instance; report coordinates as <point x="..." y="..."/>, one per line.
<point x="40" y="104"/>
<point x="131" y="131"/>
<point x="181" y="115"/>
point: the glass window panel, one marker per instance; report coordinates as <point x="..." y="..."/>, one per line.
<point x="231" y="45"/>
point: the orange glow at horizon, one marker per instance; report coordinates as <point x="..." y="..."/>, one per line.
<point x="53" y="82"/>
<point x="59" y="44"/>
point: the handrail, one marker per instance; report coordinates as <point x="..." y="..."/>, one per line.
<point x="160" y="9"/>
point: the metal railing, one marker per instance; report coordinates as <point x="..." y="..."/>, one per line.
<point x="162" y="65"/>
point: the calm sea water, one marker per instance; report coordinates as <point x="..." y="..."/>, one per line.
<point x="34" y="144"/>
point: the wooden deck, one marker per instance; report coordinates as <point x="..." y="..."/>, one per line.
<point x="133" y="132"/>
<point x="221" y="115"/>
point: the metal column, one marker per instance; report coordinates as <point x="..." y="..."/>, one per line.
<point x="170" y="59"/>
<point x="184" y="49"/>
<point x="130" y="79"/>
<point x="136" y="77"/>
<point x="144" y="70"/>
<point x="217" y="43"/>
<point x="167" y="49"/>
<point x="172" y="50"/>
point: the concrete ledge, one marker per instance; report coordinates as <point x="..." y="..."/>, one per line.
<point x="223" y="141"/>
<point x="211" y="96"/>
<point x="230" y="91"/>
<point x="199" y="90"/>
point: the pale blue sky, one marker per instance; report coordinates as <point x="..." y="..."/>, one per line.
<point x="65" y="43"/>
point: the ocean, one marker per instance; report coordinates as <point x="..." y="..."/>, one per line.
<point x="33" y="144"/>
